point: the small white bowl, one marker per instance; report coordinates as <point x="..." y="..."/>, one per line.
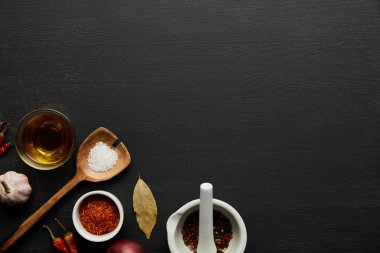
<point x="83" y="232"/>
<point x="177" y="219"/>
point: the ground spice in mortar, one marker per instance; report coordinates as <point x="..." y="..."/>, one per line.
<point x="99" y="215"/>
<point x="222" y="231"/>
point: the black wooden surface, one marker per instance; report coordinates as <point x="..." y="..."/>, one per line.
<point x="276" y="103"/>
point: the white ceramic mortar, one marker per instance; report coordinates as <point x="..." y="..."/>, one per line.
<point x="176" y="220"/>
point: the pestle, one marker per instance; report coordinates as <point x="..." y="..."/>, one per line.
<point x="206" y="243"/>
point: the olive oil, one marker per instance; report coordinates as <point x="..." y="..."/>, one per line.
<point x="48" y="138"/>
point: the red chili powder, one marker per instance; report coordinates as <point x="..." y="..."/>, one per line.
<point x="99" y="215"/>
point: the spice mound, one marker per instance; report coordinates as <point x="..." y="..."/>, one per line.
<point x="99" y="215"/>
<point x="102" y="157"/>
<point x="222" y="231"/>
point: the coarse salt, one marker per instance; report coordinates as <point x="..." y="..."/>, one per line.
<point x="102" y="157"/>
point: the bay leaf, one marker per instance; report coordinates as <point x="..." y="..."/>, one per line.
<point x="145" y="207"/>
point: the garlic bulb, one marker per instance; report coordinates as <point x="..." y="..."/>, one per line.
<point x="14" y="188"/>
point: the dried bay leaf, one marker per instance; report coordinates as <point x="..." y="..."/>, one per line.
<point x="145" y="207"/>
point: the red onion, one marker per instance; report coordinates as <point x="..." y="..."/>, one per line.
<point x="125" y="246"/>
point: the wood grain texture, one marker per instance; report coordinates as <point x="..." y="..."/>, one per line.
<point x="277" y="103"/>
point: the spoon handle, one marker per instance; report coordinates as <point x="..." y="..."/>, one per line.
<point x="37" y="215"/>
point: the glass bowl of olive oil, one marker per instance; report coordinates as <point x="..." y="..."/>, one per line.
<point x="45" y="139"/>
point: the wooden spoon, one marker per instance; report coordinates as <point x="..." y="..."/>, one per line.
<point x="83" y="174"/>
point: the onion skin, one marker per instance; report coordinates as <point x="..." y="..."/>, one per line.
<point x="125" y="246"/>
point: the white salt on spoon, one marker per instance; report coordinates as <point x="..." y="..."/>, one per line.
<point x="101" y="157"/>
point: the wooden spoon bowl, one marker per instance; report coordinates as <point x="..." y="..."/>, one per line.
<point x="83" y="173"/>
<point x="106" y="136"/>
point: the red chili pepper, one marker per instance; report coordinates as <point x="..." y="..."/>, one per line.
<point x="69" y="238"/>
<point x="3" y="128"/>
<point x="4" y="148"/>
<point x="58" y="242"/>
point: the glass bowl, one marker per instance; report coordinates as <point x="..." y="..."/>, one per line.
<point x="45" y="139"/>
